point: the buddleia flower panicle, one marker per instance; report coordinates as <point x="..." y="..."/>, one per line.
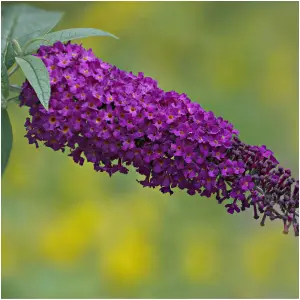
<point x="113" y="119"/>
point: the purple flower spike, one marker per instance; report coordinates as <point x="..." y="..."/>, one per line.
<point x="112" y="119"/>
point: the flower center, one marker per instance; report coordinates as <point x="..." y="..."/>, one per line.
<point x="65" y="129"/>
<point x="52" y="120"/>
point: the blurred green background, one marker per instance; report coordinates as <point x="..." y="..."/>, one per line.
<point x="69" y="232"/>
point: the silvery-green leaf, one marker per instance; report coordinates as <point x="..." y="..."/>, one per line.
<point x="6" y="139"/>
<point x="67" y="35"/>
<point x="37" y="75"/>
<point x="23" y="22"/>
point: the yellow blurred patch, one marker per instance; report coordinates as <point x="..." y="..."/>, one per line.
<point x="127" y="255"/>
<point x="113" y="16"/>
<point x="200" y="256"/>
<point x="129" y="259"/>
<point x="9" y="262"/>
<point x="278" y="62"/>
<point x="68" y="237"/>
<point x="262" y="255"/>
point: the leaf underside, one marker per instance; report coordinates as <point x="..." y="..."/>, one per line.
<point x="37" y="75"/>
<point x="67" y="35"/>
<point x="20" y="22"/>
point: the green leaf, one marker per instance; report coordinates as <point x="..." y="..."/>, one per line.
<point x="67" y="35"/>
<point x="37" y="75"/>
<point x="23" y="22"/>
<point x="6" y="139"/>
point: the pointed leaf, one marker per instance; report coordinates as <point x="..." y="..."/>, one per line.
<point x="23" y="22"/>
<point x="6" y="139"/>
<point x="37" y="75"/>
<point x="67" y="35"/>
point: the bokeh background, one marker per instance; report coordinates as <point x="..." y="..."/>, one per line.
<point x="69" y="232"/>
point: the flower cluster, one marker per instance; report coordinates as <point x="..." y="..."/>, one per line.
<point x="113" y="119"/>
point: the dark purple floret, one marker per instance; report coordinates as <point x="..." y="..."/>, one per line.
<point x="113" y="119"/>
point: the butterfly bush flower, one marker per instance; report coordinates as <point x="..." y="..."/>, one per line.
<point x="113" y="118"/>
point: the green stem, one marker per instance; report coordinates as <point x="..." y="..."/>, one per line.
<point x="15" y="88"/>
<point x="3" y="104"/>
<point x="13" y="99"/>
<point x="17" y="48"/>
<point x="32" y="41"/>
<point x="13" y="70"/>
